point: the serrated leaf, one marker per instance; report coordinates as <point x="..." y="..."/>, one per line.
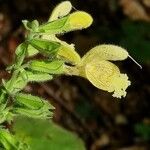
<point x="32" y="106"/>
<point x="39" y="114"/>
<point x="29" y="101"/>
<point x="54" y="67"/>
<point x="47" y="135"/>
<point x="38" y="76"/>
<point x="32" y="113"/>
<point x="19" y="85"/>
<point x="3" y="96"/>
<point x="54" y="27"/>
<point x="8" y="141"/>
<point x="45" y="47"/>
<point x="31" y="51"/>
<point x="5" y="114"/>
<point x="21" y="53"/>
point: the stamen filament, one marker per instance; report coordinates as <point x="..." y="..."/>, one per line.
<point x="135" y="61"/>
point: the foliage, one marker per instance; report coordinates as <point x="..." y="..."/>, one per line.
<point x="50" y="137"/>
<point x="59" y="57"/>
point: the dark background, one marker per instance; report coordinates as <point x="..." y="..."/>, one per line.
<point x="102" y="121"/>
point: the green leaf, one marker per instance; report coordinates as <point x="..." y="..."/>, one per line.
<point x="54" y="67"/>
<point x="55" y="27"/>
<point x="31" y="26"/>
<point x="8" y="141"/>
<point x="34" y="25"/>
<point x="39" y="114"/>
<point x="32" y="106"/>
<point x="20" y="54"/>
<point x="31" y="51"/>
<point x="45" y="47"/>
<point x="38" y="76"/>
<point x="30" y="101"/>
<point x="3" y="96"/>
<point x="66" y="51"/>
<point x="20" y="84"/>
<point x="5" y="114"/>
<point x="46" y="135"/>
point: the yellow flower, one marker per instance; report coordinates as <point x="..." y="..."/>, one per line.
<point x="95" y="65"/>
<point x="103" y="74"/>
<point x="76" y="21"/>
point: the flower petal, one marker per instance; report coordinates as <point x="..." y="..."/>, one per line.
<point x="61" y="10"/>
<point x="80" y="20"/>
<point x="67" y="53"/>
<point x="106" y="76"/>
<point x="105" y="52"/>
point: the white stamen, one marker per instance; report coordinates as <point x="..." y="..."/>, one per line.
<point x="135" y="61"/>
<point x="74" y="8"/>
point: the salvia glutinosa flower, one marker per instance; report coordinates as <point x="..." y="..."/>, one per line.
<point x="98" y="67"/>
<point x="97" y="64"/>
